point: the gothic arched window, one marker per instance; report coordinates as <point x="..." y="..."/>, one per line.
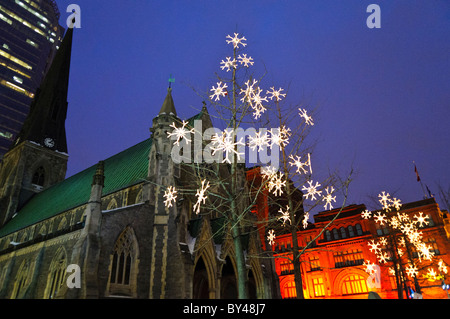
<point x="124" y="261"/>
<point x="39" y="177"/>
<point x="57" y="274"/>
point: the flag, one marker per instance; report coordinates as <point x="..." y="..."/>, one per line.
<point x="417" y="173"/>
<point x="429" y="192"/>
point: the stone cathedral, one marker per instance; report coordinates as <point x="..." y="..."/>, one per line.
<point x="108" y="223"/>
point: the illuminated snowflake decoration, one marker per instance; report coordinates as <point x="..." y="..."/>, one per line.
<point x="170" y="196"/>
<point x="228" y="64"/>
<point x="383" y="257"/>
<point x="442" y="267"/>
<point x="387" y="202"/>
<point x="180" y="133"/>
<point x="223" y="142"/>
<point x="245" y="61"/>
<point x="308" y="119"/>
<point x="276" y="94"/>
<point x="374" y="246"/>
<point x="370" y="267"/>
<point x="328" y="198"/>
<point x="284" y="215"/>
<point x="301" y="166"/>
<point x="411" y="271"/>
<point x="280" y="136"/>
<point x="305" y="220"/>
<point x="248" y="91"/>
<point x="201" y="198"/>
<point x="312" y="190"/>
<point x="260" y="140"/>
<point x="252" y="96"/>
<point x="421" y="220"/>
<point x="236" y="40"/>
<point x="256" y="103"/>
<point x="268" y="171"/>
<point x="276" y="183"/>
<point x="380" y="218"/>
<point x="396" y="203"/>
<point x="424" y="251"/>
<point x="219" y="91"/>
<point x="271" y="237"/>
<point x="366" y="214"/>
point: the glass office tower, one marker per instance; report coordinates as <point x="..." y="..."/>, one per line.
<point x="30" y="34"/>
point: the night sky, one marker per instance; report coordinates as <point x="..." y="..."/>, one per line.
<point x="382" y="96"/>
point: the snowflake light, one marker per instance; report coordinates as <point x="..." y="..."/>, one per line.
<point x="284" y="215"/>
<point x="396" y="203"/>
<point x="308" y="119"/>
<point x="268" y="171"/>
<point x="171" y="195"/>
<point x="366" y="214"/>
<point x="244" y="60"/>
<point x="180" y="133"/>
<point x="383" y="257"/>
<point x="219" y="91"/>
<point x="421" y="220"/>
<point x="280" y="136"/>
<point x="300" y="166"/>
<point x="260" y="141"/>
<point x="380" y="218"/>
<point x="370" y="267"/>
<point x="277" y="182"/>
<point x="256" y="103"/>
<point x="271" y="237"/>
<point x="201" y="198"/>
<point x="223" y="142"/>
<point x="305" y="220"/>
<point x="228" y="64"/>
<point x="276" y="94"/>
<point x="411" y="270"/>
<point x="236" y="40"/>
<point x="385" y="200"/>
<point x="328" y="198"/>
<point x="312" y="190"/>
<point x="442" y="267"/>
<point x="374" y="246"/>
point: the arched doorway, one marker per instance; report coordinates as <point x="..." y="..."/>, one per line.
<point x="228" y="282"/>
<point x="200" y="284"/>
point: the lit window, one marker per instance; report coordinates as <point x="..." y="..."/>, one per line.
<point x="32" y="43"/>
<point x="289" y="290"/>
<point x="354" y="284"/>
<point x="319" y="287"/>
<point x="15" y="60"/>
<point x="17" y="79"/>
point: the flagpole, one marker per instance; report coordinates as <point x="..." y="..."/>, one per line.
<point x="420" y="181"/>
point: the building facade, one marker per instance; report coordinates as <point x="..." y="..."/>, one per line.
<point x="109" y="224"/>
<point x="29" y="37"/>
<point x="334" y="265"/>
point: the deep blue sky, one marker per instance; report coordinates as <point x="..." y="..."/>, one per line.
<point x="383" y="95"/>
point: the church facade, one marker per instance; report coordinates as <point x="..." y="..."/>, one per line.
<point x="105" y="232"/>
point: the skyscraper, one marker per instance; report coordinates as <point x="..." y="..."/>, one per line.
<point x="30" y="34"/>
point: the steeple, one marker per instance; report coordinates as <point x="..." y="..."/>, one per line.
<point x="45" y="123"/>
<point x="168" y="106"/>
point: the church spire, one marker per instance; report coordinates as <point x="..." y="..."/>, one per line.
<point x="168" y="106"/>
<point x="45" y="123"/>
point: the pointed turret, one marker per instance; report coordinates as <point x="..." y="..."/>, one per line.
<point x="168" y="106"/>
<point x="45" y="123"/>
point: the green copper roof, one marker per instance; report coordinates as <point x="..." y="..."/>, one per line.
<point x="121" y="170"/>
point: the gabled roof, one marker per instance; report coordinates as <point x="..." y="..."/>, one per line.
<point x="124" y="169"/>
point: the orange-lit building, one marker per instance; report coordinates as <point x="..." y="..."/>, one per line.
<point x="332" y="267"/>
